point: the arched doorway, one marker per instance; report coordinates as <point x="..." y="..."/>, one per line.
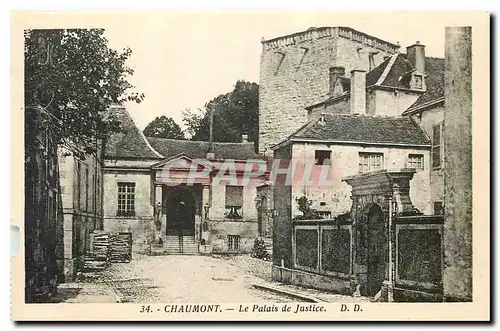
<point x="377" y="250"/>
<point x="180" y="212"/>
<point x="263" y="218"/>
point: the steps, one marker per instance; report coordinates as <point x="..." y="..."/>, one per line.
<point x="186" y="246"/>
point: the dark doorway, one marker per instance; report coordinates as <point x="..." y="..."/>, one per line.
<point x="180" y="212"/>
<point x="377" y="250"/>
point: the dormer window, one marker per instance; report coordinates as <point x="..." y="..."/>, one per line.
<point x="419" y="84"/>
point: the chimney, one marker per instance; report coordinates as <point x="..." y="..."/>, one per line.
<point x="358" y="91"/>
<point x="244" y="138"/>
<point x="335" y="72"/>
<point x="416" y="55"/>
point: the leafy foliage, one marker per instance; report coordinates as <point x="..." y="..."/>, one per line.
<point x="72" y="78"/>
<point x="235" y="113"/>
<point x="305" y="207"/>
<point x="164" y="127"/>
<point x="259" y="250"/>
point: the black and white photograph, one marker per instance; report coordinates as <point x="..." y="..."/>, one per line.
<point x="266" y="166"/>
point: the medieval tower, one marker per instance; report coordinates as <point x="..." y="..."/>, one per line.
<point x="296" y="70"/>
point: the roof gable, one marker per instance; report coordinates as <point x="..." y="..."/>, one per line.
<point x="434" y="81"/>
<point x="181" y="161"/>
<point x="129" y="143"/>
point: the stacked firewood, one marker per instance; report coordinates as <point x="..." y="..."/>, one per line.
<point x="121" y="247"/>
<point x="99" y="257"/>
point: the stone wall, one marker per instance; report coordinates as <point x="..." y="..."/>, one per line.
<point x="389" y="103"/>
<point x="340" y="106"/>
<point x="294" y="74"/>
<point x="82" y="201"/>
<point x="142" y="223"/>
<point x="220" y="227"/>
<point x="458" y="164"/>
<point x="427" y="120"/>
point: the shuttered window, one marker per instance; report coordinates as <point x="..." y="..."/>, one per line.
<point x="436" y="146"/>
<point x="234" y="196"/>
<point x="234" y="202"/>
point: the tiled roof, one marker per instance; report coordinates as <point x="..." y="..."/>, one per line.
<point x="362" y="129"/>
<point x="399" y="69"/>
<point x="434" y="82"/>
<point x="129" y="143"/>
<point x="199" y="149"/>
<point x="373" y="75"/>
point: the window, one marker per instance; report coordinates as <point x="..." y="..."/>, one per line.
<point x="436" y="146"/>
<point x="371" y="162"/>
<point x="234" y="202"/>
<point x="126" y="199"/>
<point x="416" y="161"/>
<point x="418" y="81"/>
<point x="322" y="157"/>
<point x="233" y="243"/>
<point x="438" y="208"/>
<point x="325" y="214"/>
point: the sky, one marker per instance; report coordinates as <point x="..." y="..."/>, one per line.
<point x="183" y="60"/>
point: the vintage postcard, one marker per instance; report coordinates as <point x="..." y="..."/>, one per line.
<point x="250" y="166"/>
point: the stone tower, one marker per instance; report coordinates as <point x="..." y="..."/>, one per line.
<point x="295" y="73"/>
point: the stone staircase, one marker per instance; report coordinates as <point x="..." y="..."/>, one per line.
<point x="185" y="246"/>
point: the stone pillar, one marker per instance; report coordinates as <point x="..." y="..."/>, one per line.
<point x="401" y="194"/>
<point x="205" y="217"/>
<point x="158" y="211"/>
<point x="457" y="277"/>
<point x="68" y="264"/>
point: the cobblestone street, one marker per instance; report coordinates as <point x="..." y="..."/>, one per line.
<point x="189" y="279"/>
<point x="183" y="278"/>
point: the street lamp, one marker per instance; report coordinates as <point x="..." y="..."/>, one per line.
<point x="206" y="208"/>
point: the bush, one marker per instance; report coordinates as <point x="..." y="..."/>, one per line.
<point x="259" y="250"/>
<point x="305" y="207"/>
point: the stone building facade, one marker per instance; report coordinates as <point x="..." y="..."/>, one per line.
<point x="294" y="74"/>
<point x="81" y="190"/>
<point x="149" y="192"/>
<point x="362" y="114"/>
<point x="349" y="145"/>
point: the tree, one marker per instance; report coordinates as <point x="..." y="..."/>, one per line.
<point x="72" y="78"/>
<point x="164" y="127"/>
<point x="305" y="207"/>
<point x="235" y="113"/>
